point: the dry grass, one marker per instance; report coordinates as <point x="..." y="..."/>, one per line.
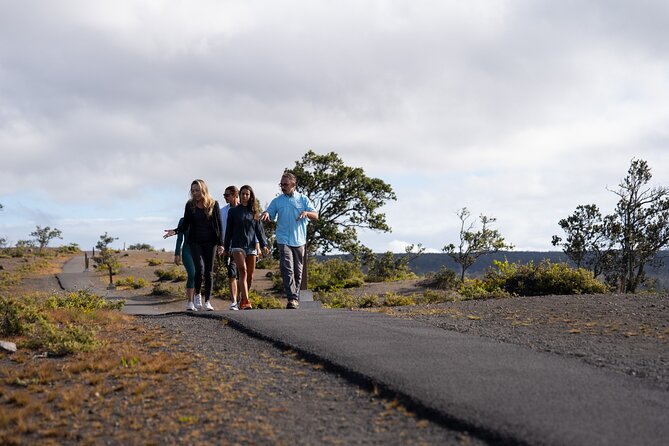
<point x="135" y="386"/>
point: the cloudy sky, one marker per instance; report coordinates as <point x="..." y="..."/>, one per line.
<point x="520" y="110"/>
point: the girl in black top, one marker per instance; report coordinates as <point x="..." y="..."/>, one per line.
<point x="202" y="219"/>
<point x="243" y="231"/>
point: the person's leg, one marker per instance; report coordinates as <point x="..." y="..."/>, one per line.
<point x="232" y="278"/>
<point x="250" y="269"/>
<point x="198" y="265"/>
<point x="286" y="265"/>
<point x="209" y="255"/>
<point x="298" y="261"/>
<point x="240" y="260"/>
<point x="187" y="260"/>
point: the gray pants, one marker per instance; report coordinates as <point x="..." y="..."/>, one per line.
<point x="291" y="269"/>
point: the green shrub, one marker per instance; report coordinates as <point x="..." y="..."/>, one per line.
<point x="436" y="297"/>
<point x="388" y="267"/>
<point x="337" y="299"/>
<point x="262" y="302"/>
<point x="141" y="247"/>
<point x="83" y="300"/>
<point x="444" y="279"/>
<point x="544" y="279"/>
<point x="397" y="300"/>
<point x="369" y="301"/>
<point x="173" y="274"/>
<point x="10" y="317"/>
<point x="334" y="274"/>
<point x="34" y="317"/>
<point x="133" y="283"/>
<point x="69" y="249"/>
<point x="155" y="262"/>
<point x="63" y="339"/>
<point x="161" y="290"/>
<point x="480" y="289"/>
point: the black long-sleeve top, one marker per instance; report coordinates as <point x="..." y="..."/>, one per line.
<point x="201" y="227"/>
<point x="242" y="230"/>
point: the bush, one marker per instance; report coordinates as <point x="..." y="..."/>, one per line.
<point x="444" y="279"/>
<point x="437" y="297"/>
<point x="261" y="302"/>
<point x="332" y="275"/>
<point x="155" y="262"/>
<point x="141" y="247"/>
<point x="388" y="267"/>
<point x="10" y="317"/>
<point x="173" y="274"/>
<point x="397" y="300"/>
<point x="69" y="249"/>
<point x="337" y="299"/>
<point x="544" y="279"/>
<point x="83" y="300"/>
<point x="481" y="289"/>
<point x="133" y="283"/>
<point x="61" y="340"/>
<point x="47" y="321"/>
<point x="369" y="301"/>
<point x="161" y="290"/>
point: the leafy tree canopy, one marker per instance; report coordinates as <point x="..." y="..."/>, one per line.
<point x="346" y="200"/>
<point x="44" y="235"/>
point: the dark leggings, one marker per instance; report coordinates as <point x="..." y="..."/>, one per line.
<point x="203" y="257"/>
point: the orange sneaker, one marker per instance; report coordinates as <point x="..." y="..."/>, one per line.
<point x="245" y="305"/>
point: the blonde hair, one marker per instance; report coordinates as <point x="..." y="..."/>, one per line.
<point x="207" y="200"/>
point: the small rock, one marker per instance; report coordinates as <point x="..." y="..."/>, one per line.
<point x="9" y="346"/>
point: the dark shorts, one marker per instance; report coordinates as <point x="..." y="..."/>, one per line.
<point x="231" y="266"/>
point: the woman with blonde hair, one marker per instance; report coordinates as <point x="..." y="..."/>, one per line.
<point x="202" y="220"/>
<point x="243" y="231"/>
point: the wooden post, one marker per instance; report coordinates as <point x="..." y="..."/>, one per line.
<point x="86" y="260"/>
<point x="111" y="280"/>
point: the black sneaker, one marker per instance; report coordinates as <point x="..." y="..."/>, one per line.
<point x="293" y="304"/>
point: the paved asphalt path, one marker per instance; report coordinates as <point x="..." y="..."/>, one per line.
<point x="505" y="393"/>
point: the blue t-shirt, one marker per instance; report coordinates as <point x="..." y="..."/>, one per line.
<point x="285" y="209"/>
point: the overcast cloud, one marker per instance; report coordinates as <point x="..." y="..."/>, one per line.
<point x="520" y="110"/>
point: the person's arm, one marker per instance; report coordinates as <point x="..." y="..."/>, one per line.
<point x="229" y="229"/>
<point x="184" y="224"/>
<point x="177" y="249"/>
<point x="310" y="211"/>
<point x="219" y="228"/>
<point x="270" y="212"/>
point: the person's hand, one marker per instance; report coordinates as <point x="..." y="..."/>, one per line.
<point x="220" y="250"/>
<point x="169" y="233"/>
<point x="177" y="259"/>
<point x="265" y="251"/>
<point x="264" y="216"/>
<point x="303" y="214"/>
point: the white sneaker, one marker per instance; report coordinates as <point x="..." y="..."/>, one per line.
<point x="234" y="307"/>
<point x="198" y="301"/>
<point x="208" y="306"/>
<point x="191" y="307"/>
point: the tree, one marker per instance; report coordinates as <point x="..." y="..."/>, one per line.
<point x="586" y="243"/>
<point x="474" y="244"/>
<point x="346" y="200"/>
<point x="388" y="266"/>
<point x="44" y="235"/>
<point x="106" y="257"/>
<point x="639" y="226"/>
<point x="629" y="239"/>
